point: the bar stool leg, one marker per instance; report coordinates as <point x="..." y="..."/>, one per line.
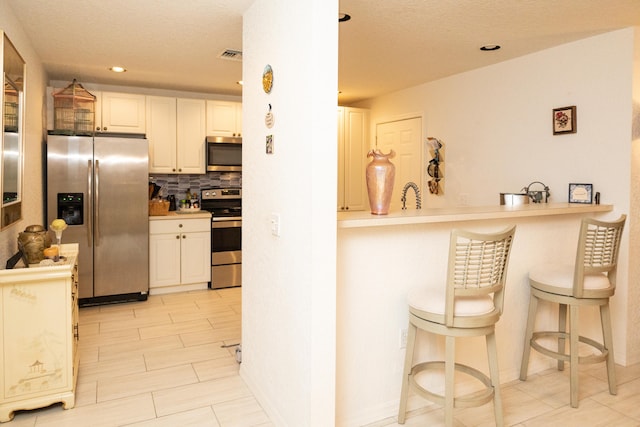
<point x="449" y="380"/>
<point x="531" y="318"/>
<point x="605" y="319"/>
<point x="562" y="328"/>
<point x="408" y="362"/>
<point x="492" y="354"/>
<point x="574" y="335"/>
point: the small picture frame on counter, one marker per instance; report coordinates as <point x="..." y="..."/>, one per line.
<point x="581" y="193"/>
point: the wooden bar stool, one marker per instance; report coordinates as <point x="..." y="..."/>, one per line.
<point x="590" y="282"/>
<point x="468" y="305"/>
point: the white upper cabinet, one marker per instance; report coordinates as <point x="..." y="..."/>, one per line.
<point x="224" y="118"/>
<point x="161" y="133"/>
<point x="191" y="134"/>
<point x="176" y="134"/>
<point x="120" y="112"/>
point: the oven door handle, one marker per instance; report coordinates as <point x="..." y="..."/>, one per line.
<point x="226" y="224"/>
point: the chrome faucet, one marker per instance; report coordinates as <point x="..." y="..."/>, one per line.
<point x="404" y="195"/>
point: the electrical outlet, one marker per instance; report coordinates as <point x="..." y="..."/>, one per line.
<point x="403" y="338"/>
<point x="463" y="199"/>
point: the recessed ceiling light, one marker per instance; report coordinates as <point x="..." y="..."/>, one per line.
<point x="343" y="17"/>
<point x="490" y="47"/>
<point x="117" y="69"/>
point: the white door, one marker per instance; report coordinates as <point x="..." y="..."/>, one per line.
<point x="405" y="138"/>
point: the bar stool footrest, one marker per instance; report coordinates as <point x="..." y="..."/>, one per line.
<point x="476" y="398"/>
<point x="592" y="358"/>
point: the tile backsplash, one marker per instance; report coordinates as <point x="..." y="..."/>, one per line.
<point x="178" y="185"/>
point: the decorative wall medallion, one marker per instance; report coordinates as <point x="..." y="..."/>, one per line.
<point x="268" y="118"/>
<point x="267" y="79"/>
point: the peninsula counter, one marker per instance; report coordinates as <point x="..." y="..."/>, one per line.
<point x="381" y="257"/>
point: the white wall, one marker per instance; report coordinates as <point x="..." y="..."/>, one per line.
<point x="288" y="294"/>
<point x="32" y="201"/>
<point x="496" y="122"/>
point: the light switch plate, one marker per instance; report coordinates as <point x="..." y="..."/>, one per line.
<point x="274" y="220"/>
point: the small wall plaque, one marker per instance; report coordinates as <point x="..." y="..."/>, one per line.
<point x="564" y="120"/>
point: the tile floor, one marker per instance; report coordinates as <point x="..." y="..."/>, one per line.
<point x="158" y="363"/>
<point x="163" y="363"/>
<point x="543" y="400"/>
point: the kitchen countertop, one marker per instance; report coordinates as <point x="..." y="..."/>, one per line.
<point x="175" y="215"/>
<point x="464" y="213"/>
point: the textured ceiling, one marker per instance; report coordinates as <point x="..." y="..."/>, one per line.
<point x="386" y="46"/>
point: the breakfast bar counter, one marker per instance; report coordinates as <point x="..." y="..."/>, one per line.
<point x="465" y="213"/>
<point x="381" y="257"/>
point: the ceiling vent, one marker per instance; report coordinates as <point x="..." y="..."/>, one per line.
<point x="230" y="54"/>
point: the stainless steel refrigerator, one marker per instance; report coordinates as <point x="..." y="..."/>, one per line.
<point x="99" y="186"/>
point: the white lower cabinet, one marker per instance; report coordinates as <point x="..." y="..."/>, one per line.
<point x="39" y="335"/>
<point x="179" y="254"/>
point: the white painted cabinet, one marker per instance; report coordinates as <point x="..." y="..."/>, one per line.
<point x="120" y="112"/>
<point x="161" y="133"/>
<point x="39" y="335"/>
<point x="191" y="129"/>
<point x="176" y="134"/>
<point x="179" y="254"/>
<point x="224" y="118"/>
<point x="353" y="146"/>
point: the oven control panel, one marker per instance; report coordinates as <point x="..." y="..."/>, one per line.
<point x="221" y="193"/>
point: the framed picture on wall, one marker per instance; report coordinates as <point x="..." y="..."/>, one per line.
<point x="564" y="120"/>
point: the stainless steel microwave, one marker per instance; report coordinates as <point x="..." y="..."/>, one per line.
<point x="224" y="154"/>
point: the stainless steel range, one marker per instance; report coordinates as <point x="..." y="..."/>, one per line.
<point x="225" y="205"/>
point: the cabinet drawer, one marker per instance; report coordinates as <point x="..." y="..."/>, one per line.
<point x="179" y="225"/>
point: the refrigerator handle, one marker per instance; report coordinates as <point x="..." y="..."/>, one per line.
<point x="89" y="199"/>
<point x="96" y="206"/>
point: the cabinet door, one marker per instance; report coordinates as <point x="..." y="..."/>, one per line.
<point x="191" y="133"/>
<point x="122" y="112"/>
<point x="161" y="133"/>
<point x="36" y="339"/>
<point x="341" y="202"/>
<point x="353" y="145"/>
<point x="196" y="257"/>
<point x="164" y="260"/>
<point x="224" y="118"/>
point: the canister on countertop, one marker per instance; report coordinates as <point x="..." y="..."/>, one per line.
<point x="513" y="199"/>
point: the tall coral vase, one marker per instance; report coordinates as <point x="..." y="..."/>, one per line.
<point x="381" y="174"/>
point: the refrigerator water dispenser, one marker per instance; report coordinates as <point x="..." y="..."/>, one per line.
<point x="70" y="208"/>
